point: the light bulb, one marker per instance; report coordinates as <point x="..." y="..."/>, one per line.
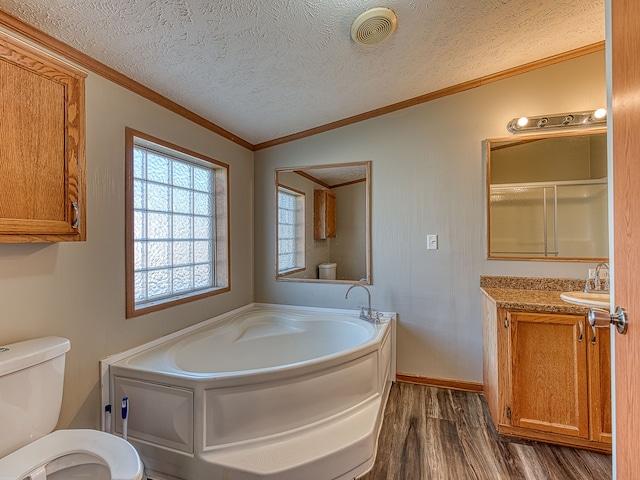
<point x="542" y="122"/>
<point x="522" y="121"/>
<point x="600" y="113"/>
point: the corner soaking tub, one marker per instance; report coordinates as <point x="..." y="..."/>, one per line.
<point x="271" y="392"/>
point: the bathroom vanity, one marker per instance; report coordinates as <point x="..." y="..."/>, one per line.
<point x="546" y="374"/>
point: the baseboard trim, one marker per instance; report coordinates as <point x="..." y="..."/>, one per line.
<point x="439" y="382"/>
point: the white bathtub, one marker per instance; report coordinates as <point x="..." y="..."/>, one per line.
<point x="268" y="393"/>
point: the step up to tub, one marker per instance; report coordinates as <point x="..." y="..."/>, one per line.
<point x="324" y="452"/>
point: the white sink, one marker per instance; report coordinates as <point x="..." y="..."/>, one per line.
<point x="589" y="299"/>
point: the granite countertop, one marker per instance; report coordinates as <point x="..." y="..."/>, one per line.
<point x="533" y="294"/>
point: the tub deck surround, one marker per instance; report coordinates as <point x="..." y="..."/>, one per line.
<point x="533" y="294"/>
<point x="271" y="392"/>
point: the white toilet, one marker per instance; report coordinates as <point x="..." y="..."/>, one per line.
<point x="31" y="380"/>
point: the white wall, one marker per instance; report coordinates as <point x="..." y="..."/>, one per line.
<point x="428" y="178"/>
<point x="77" y="290"/>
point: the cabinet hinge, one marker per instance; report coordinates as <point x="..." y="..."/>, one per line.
<point x="506" y="322"/>
<point x="508" y="412"/>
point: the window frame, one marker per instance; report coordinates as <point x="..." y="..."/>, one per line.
<point x="221" y="258"/>
<point x="300" y="228"/>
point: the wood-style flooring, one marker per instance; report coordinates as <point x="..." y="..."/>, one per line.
<point x="441" y="434"/>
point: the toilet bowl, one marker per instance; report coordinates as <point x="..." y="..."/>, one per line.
<point x="31" y="383"/>
<point x="73" y="455"/>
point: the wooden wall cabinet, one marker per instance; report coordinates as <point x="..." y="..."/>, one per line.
<point x="42" y="146"/>
<point x="324" y="214"/>
<point x="546" y="378"/>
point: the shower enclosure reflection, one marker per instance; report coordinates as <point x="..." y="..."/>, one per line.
<point x="547" y="197"/>
<point x="323" y="231"/>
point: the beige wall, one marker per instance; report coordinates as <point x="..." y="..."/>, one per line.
<point x="542" y="161"/>
<point x="348" y="249"/>
<point x="581" y="157"/>
<point x="428" y="177"/>
<point x="76" y="290"/>
<point x="598" y="151"/>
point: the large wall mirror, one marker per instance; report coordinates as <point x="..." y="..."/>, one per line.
<point x="547" y="197"/>
<point x="323" y="223"/>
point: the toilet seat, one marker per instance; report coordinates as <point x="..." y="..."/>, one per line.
<point x="114" y="452"/>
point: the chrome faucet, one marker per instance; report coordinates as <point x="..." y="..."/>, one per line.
<point x="596" y="281"/>
<point x="368" y="315"/>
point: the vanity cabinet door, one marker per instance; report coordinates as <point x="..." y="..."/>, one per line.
<point x="42" y="186"/>
<point x="600" y="385"/>
<point x="548" y="373"/>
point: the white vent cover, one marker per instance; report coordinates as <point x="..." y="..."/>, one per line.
<point x="374" y="26"/>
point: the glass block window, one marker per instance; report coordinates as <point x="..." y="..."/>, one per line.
<point x="176" y="218"/>
<point x="291" y="223"/>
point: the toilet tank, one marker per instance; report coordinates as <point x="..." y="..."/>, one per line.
<point x="31" y="380"/>
<point x="327" y="271"/>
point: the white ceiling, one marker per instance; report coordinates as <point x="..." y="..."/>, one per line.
<point x="264" y="69"/>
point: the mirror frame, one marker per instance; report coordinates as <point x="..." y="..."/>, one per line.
<point x="366" y="281"/>
<point x="487" y="151"/>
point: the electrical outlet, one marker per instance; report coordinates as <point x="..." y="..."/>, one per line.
<point x="432" y="242"/>
<point x="592" y="273"/>
<point x="604" y="274"/>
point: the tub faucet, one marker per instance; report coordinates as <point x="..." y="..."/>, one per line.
<point x="596" y="281"/>
<point x="368" y="315"/>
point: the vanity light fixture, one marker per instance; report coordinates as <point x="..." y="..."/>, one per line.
<point x="592" y="118"/>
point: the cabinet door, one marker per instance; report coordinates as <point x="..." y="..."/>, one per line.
<point x="41" y="146"/>
<point x="324" y="214"/>
<point x="331" y="215"/>
<point x="549" y="373"/>
<point x="600" y="385"/>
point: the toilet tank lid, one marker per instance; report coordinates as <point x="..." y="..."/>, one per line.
<point x="16" y="356"/>
<point x="327" y="265"/>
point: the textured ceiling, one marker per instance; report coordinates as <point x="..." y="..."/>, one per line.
<point x="264" y="69"/>
<point x="334" y="176"/>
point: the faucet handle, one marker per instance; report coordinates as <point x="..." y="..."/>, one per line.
<point x="362" y="314"/>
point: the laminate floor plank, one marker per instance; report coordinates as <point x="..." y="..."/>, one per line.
<point x="431" y="433"/>
<point x="444" y="455"/>
<point x="409" y="436"/>
<point x="387" y="434"/>
<point x="489" y="459"/>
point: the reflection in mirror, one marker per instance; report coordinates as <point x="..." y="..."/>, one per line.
<point x="323" y="231"/>
<point x="547" y="197"/>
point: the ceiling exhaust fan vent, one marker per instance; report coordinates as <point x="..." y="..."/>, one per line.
<point x="374" y="26"/>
